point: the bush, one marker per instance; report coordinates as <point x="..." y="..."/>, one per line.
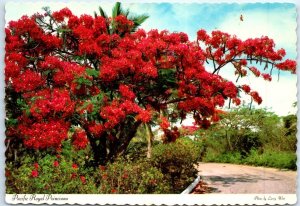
<point x="277" y="159"/>
<point x="49" y="175"/>
<point x="228" y="157"/>
<point x="268" y="158"/>
<point x="131" y="178"/>
<point x="176" y="161"/>
<point x="137" y="149"/>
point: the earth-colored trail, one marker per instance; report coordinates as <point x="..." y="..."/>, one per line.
<point x="241" y="179"/>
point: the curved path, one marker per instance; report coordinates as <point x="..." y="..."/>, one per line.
<point x="241" y="179"/>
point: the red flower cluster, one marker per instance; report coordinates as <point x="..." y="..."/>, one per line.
<point x="287" y="65"/>
<point x="96" y="129"/>
<point x="126" y="92"/>
<point x="34" y="173"/>
<point x="256" y="97"/>
<point x="57" y="102"/>
<point x="79" y="139"/>
<point x="27" y="81"/>
<point x="267" y="77"/>
<point x="246" y="88"/>
<point x="55" y="163"/>
<point x="59" y="16"/>
<point x="45" y="134"/>
<point x="164" y="124"/>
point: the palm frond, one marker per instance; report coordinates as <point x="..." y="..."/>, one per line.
<point x="116" y="10"/>
<point x="102" y="12"/>
<point x="138" y="20"/>
<point x="125" y="13"/>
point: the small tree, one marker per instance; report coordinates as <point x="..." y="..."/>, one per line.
<point x="72" y="75"/>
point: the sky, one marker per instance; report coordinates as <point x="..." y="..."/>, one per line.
<point x="275" y="20"/>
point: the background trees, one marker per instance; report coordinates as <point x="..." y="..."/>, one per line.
<point x="251" y="136"/>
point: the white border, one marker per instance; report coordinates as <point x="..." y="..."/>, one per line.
<point x="183" y="199"/>
<point x="207" y="199"/>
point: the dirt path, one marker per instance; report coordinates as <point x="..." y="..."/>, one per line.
<point x="240" y="179"/>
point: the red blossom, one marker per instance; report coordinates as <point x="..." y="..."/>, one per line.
<point x="126" y="92"/>
<point x="256" y="97"/>
<point x="267" y="77"/>
<point x="74" y="166"/>
<point x="144" y="116"/>
<point x="236" y="101"/>
<point x="201" y="35"/>
<point x="288" y="65"/>
<point x="34" y="173"/>
<point x="96" y="129"/>
<point x="230" y="90"/>
<point x="164" y="123"/>
<point x="36" y="165"/>
<point x="246" y="88"/>
<point x="102" y="168"/>
<point x="255" y="71"/>
<point x="7" y="173"/>
<point x="44" y="135"/>
<point x="59" y="16"/>
<point x="27" y="81"/>
<point x="80" y="140"/>
<point x="113" y="190"/>
<point x="73" y="175"/>
<point x="83" y="180"/>
<point x="55" y="164"/>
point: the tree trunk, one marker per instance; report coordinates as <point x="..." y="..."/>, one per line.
<point x="120" y="145"/>
<point x="228" y="141"/>
<point x="150" y="138"/>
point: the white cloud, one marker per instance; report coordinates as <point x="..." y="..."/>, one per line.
<point x="279" y="25"/>
<point x="14" y="11"/>
<point x="278" y="96"/>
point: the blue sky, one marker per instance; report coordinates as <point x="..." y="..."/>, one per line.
<point x="276" y="20"/>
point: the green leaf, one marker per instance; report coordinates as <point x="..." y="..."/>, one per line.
<point x="116" y="10"/>
<point x="92" y="72"/>
<point x="11" y="122"/>
<point x="84" y="81"/>
<point x="47" y="72"/>
<point x="167" y="75"/>
<point x="63" y="30"/>
<point x="102" y="13"/>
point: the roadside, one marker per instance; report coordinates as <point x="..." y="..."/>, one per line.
<point x="242" y="179"/>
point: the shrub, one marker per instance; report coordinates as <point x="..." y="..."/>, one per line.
<point x="277" y="159"/>
<point x="131" y="178"/>
<point x="48" y="175"/>
<point x="227" y="157"/>
<point x="176" y="161"/>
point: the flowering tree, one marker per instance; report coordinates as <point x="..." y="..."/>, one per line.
<point x="98" y="80"/>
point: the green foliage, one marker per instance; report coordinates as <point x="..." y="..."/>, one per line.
<point x="126" y="177"/>
<point x="269" y="158"/>
<point x="92" y="72"/>
<point x="50" y="179"/>
<point x="228" y="157"/>
<point x="83" y="81"/>
<point x="277" y="159"/>
<point x="176" y="161"/>
<point x="255" y="137"/>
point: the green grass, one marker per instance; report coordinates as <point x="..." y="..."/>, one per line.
<point x="269" y="158"/>
<point x="277" y="159"/>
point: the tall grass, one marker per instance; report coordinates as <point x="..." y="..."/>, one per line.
<point x="269" y="158"/>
